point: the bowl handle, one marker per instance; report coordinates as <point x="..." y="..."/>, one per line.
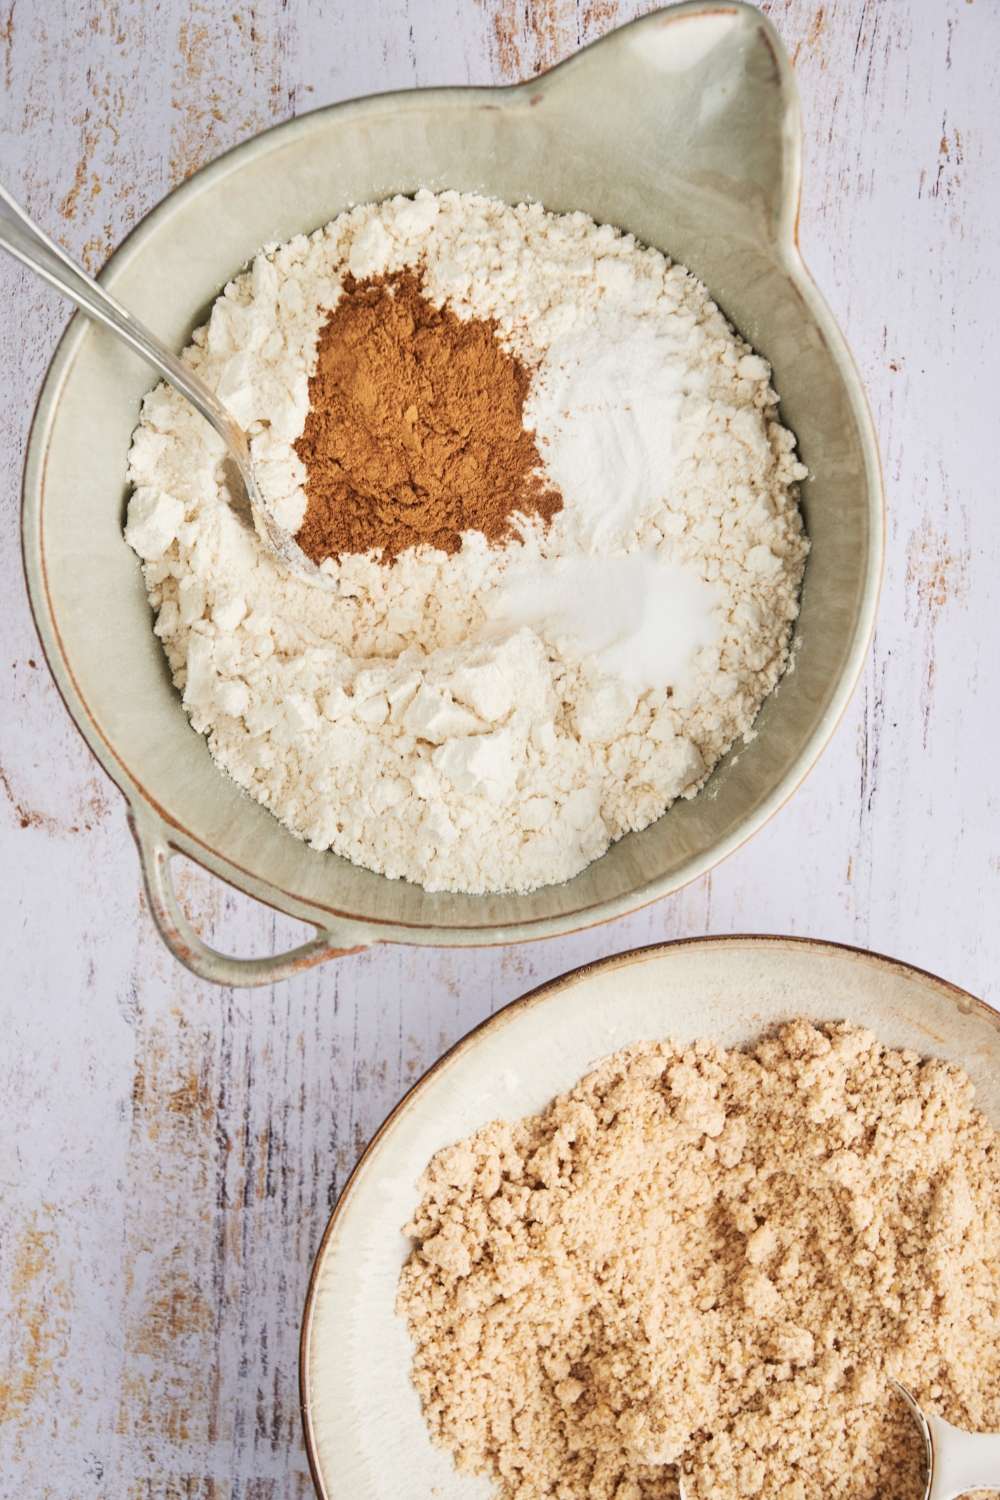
<point x="184" y="943"/>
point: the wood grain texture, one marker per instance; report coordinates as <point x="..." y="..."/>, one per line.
<point x="169" y="1151"/>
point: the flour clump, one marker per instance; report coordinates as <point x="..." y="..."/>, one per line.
<point x="444" y="711"/>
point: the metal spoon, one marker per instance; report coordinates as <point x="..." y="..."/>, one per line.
<point x="22" y="238"/>
<point x="957" y="1461"/>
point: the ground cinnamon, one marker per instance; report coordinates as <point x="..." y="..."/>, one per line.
<point x="415" y="430"/>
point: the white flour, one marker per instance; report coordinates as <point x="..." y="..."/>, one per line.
<point x="460" y="721"/>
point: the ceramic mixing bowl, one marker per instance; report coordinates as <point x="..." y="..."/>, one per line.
<point x="364" y="1430"/>
<point x="682" y="128"/>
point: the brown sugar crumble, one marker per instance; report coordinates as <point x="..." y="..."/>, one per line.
<point x="415" y="431"/>
<point x="717" y="1259"/>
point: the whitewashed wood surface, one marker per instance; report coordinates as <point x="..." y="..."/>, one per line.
<point x="168" y="1150"/>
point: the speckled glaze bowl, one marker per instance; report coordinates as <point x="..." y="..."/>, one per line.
<point x="682" y="128"/>
<point x="364" y="1430"/>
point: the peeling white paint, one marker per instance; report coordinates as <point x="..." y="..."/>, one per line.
<point x="169" y="1151"/>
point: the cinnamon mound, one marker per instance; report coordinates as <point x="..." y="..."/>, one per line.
<point x="415" y="430"/>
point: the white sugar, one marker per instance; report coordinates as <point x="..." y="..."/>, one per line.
<point x="644" y="620"/>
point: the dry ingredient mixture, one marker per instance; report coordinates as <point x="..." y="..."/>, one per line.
<point x="558" y="515"/>
<point x="714" y="1258"/>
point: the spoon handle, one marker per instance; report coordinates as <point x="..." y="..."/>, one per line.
<point x="963" y="1461"/>
<point x="957" y="1461"/>
<point x="22" y="238"/>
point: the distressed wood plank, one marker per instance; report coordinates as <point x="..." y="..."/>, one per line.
<point x="168" y="1151"/>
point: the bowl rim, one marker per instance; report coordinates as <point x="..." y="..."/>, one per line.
<point x="966" y="1002"/>
<point x="350" y="928"/>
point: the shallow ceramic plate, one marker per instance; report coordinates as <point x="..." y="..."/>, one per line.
<point x="364" y="1431"/>
<point x="682" y="128"/>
